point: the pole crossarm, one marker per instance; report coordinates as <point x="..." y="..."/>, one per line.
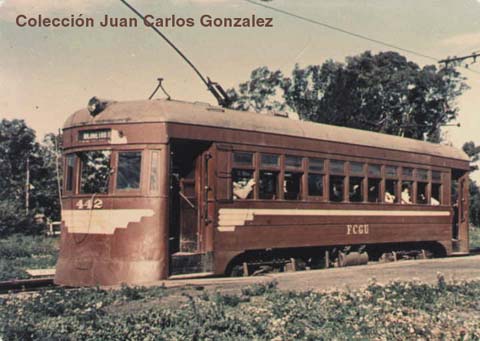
<point x="460" y="59"/>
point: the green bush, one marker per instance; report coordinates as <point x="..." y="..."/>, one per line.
<point x="19" y="252"/>
<point x="14" y="220"/>
<point x="474" y="237"/>
<point x="400" y="310"/>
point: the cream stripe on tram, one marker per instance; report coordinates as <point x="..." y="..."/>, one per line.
<point x="229" y="218"/>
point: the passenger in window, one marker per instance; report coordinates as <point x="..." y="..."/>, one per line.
<point x="435" y="197"/>
<point x="337" y="193"/>
<point x="242" y="190"/>
<point x="291" y="186"/>
<point x="243" y="183"/>
<point x="389" y="198"/>
<point x="336" y="188"/>
<point x="355" y="194"/>
<point x="406" y="199"/>
<point x="422" y="199"/>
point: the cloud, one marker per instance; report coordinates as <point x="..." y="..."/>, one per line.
<point x="9" y="9"/>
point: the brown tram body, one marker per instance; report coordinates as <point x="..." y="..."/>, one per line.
<point x="152" y="190"/>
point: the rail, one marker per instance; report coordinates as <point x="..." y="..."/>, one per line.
<point x="25" y="285"/>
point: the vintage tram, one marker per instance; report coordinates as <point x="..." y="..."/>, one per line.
<point x="159" y="189"/>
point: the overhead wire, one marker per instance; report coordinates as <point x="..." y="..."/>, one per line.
<point x="350" y="33"/>
<point x="215" y="88"/>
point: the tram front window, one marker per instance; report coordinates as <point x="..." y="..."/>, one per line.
<point x="95" y="171"/>
<point x="128" y="170"/>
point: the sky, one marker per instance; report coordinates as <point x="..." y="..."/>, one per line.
<point x="48" y="73"/>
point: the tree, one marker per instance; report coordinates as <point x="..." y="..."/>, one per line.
<point x="383" y="92"/>
<point x="473" y="152"/>
<point x="256" y="94"/>
<point x="46" y="180"/>
<point x="20" y="152"/>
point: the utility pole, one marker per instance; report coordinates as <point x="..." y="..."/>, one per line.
<point x="457" y="60"/>
<point x="27" y="187"/>
<point x="57" y="169"/>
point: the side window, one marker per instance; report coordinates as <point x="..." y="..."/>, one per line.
<point x="407" y="172"/>
<point x="70" y="166"/>
<point x="268" y="185"/>
<point x="436" y="198"/>
<point x="292" y="186"/>
<point x="355" y="190"/>
<point x="391" y="185"/>
<point x="315" y="177"/>
<point x="154" y="186"/>
<point x="269" y="174"/>
<point x="315" y="185"/>
<point x="128" y="170"/>
<point x="243" y="158"/>
<point x="406" y="195"/>
<point x="337" y="182"/>
<point x="270" y="160"/>
<point x="292" y="181"/>
<point x="243" y="175"/>
<point x="436" y="176"/>
<point x="422" y="188"/>
<point x="436" y="193"/>
<point x="336" y="188"/>
<point x="391" y="191"/>
<point x="292" y="161"/>
<point x="374" y="180"/>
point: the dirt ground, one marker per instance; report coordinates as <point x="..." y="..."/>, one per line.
<point x="454" y="268"/>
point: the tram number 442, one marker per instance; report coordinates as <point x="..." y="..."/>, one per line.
<point x="357" y="229"/>
<point x="89" y="204"/>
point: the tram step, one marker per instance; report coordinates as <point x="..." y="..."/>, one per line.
<point x="190" y="263"/>
<point x="459" y="254"/>
<point x="455" y="245"/>
<point x="192" y="276"/>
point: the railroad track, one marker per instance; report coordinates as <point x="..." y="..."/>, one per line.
<point x="26" y="285"/>
<point x="36" y="284"/>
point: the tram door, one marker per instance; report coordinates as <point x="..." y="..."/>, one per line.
<point x="460" y="216"/>
<point x="187" y="182"/>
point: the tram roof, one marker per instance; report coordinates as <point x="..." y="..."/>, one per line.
<point x="149" y="111"/>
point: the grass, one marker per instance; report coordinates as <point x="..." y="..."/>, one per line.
<point x="399" y="311"/>
<point x="474" y="237"/>
<point x="19" y="252"/>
